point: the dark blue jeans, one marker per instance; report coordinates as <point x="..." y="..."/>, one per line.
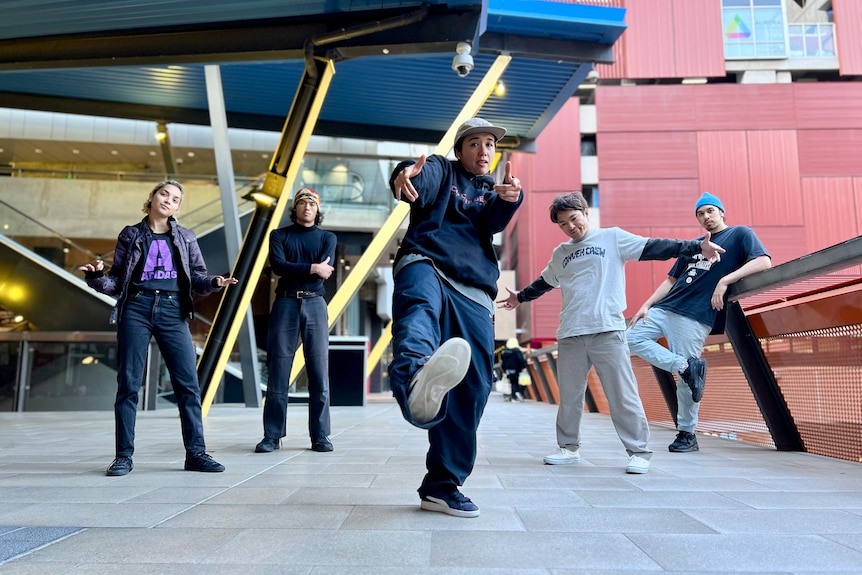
<point x="147" y="315"/>
<point x="426" y="312"/>
<point x="289" y="320"/>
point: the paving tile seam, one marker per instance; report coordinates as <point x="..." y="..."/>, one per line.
<point x="224" y="490"/>
<point x="38" y="545"/>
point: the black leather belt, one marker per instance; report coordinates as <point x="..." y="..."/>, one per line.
<point x="156" y="292"/>
<point x="298" y="294"/>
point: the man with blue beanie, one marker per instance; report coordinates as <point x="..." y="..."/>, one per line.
<point x="685" y="312"/>
<point x="443" y="303"/>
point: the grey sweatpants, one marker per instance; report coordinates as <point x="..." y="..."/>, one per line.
<point x="609" y="353"/>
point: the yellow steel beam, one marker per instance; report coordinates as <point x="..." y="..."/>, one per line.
<point x="384" y="236"/>
<point x="377" y="350"/>
<point x="277" y="186"/>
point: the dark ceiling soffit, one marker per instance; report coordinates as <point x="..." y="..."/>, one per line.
<point x="563" y="96"/>
<point x="337" y="129"/>
<point x="201" y="117"/>
<point x="546" y="48"/>
<point x="241" y="42"/>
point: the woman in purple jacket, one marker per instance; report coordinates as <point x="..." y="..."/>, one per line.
<point x="157" y="266"/>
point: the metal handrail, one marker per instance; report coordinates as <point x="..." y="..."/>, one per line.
<point x="66" y="241"/>
<point x="834" y="258"/>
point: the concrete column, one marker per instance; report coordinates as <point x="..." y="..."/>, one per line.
<point x="232" y="232"/>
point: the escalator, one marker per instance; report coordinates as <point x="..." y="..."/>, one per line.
<point x="46" y="297"/>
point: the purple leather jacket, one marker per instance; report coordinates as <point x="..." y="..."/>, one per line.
<point x="128" y="252"/>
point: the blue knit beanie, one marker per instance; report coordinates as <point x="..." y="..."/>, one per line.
<point x="708" y="199"/>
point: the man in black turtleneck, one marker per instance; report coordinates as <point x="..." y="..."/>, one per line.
<point x="301" y="254"/>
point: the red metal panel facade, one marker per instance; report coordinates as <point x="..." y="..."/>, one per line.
<point x="723" y="161"/>
<point x="649" y="43"/>
<point x="639" y="278"/>
<point x="643" y="108"/>
<point x="830" y="152"/>
<point x="829" y="200"/>
<point x="742" y="106"/>
<point x="848" y="23"/>
<point x="630" y="203"/>
<point x="647" y="155"/>
<point x="776" y="195"/>
<point x="556" y="165"/>
<point x="783" y="243"/>
<point x="545" y="311"/>
<point x="698" y="41"/>
<point x="857" y="193"/>
<point x="832" y="105"/>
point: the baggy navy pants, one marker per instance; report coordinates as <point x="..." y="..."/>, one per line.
<point x="426" y="312"/>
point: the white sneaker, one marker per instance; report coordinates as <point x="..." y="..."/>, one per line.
<point x="562" y="456"/>
<point x="444" y="370"/>
<point x="637" y="464"/>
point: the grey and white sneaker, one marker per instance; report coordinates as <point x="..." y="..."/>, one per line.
<point x="637" y="464"/>
<point x="562" y="456"/>
<point x="444" y="370"/>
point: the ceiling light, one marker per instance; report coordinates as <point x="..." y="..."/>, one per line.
<point x="262" y="199"/>
<point x="115" y="153"/>
<point x="500" y="88"/>
<point x="38" y="150"/>
<point x="76" y="151"/>
<point x="694" y="80"/>
<point x="191" y="154"/>
<point x="18" y="318"/>
<point x="161" y="132"/>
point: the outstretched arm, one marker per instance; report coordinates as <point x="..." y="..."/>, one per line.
<point x="529" y="293"/>
<point x="510" y="189"/>
<point x="401" y="184"/>
<point x="664" y="249"/>
<point x="758" y="264"/>
<point x="662" y="290"/>
<point x="510" y="301"/>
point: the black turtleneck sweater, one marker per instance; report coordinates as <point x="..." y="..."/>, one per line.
<point x="292" y="250"/>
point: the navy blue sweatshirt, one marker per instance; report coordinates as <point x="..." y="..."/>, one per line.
<point x="453" y="221"/>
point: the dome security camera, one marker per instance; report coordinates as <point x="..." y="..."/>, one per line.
<point x="592" y="77"/>
<point x="462" y="63"/>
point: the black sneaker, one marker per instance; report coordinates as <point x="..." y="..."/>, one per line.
<point x="695" y="376"/>
<point x="202" y="462"/>
<point x="267" y="444"/>
<point x="454" y="503"/>
<point x="122" y="465"/>
<point x="685" y="442"/>
<point x="322" y="445"/>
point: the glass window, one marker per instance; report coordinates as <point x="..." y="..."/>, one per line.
<point x="72" y="376"/>
<point x="754" y="29"/>
<point x="811" y="40"/>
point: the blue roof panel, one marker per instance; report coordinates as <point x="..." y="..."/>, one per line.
<point x="395" y="84"/>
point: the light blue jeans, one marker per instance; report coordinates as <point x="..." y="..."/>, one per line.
<point x="685" y="338"/>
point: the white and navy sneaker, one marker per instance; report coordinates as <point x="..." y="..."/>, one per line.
<point x="454" y="503"/>
<point x="444" y="370"/>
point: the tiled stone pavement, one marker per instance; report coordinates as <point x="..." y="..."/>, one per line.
<point x="730" y="508"/>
